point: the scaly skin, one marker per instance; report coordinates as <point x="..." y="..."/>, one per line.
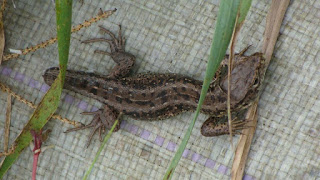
<point x="159" y="96"/>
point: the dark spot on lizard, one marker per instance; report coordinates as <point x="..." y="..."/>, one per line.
<point x="142" y="103"/>
<point x="119" y="99"/>
<point x="169" y="108"/>
<point x="175" y="89"/>
<point x="124" y="83"/>
<point x="93" y="91"/>
<point x="144" y="94"/>
<point x="160" y="112"/>
<point x="221" y="99"/>
<point x="197" y="94"/>
<point x="128" y="100"/>
<point x="84" y="84"/>
<point x="185" y="97"/>
<point x="164" y="99"/>
<point x="95" y="84"/>
<point x="153" y="83"/>
<point x="73" y="81"/>
<point x="152" y="104"/>
<point x="162" y="93"/>
<point x="160" y="82"/>
<point x="115" y="89"/>
<point x="183" y="89"/>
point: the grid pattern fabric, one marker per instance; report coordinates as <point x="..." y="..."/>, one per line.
<point x="167" y="37"/>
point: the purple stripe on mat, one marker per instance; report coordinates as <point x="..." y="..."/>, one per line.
<point x="145" y="134"/>
<point x="171" y="146"/>
<point x="159" y="140"/>
<point x="27" y="80"/>
<point x="6" y="71"/>
<point x="123" y="124"/>
<point x="223" y="169"/>
<point x="34" y="84"/>
<point x="185" y="153"/>
<point x="247" y="177"/>
<point x="83" y="105"/>
<point x="210" y="163"/>
<point x="195" y="157"/>
<point x="44" y="88"/>
<point x="94" y="108"/>
<point x="68" y="99"/>
<point x="19" y="77"/>
<point x="133" y="129"/>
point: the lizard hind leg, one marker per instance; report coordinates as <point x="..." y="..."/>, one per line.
<point x="103" y="119"/>
<point x="214" y="126"/>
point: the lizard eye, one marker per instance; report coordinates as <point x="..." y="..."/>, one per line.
<point x="256" y="81"/>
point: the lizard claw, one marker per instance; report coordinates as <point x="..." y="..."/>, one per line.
<point x="103" y="119"/>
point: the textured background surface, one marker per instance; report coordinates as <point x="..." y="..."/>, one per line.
<point x="168" y="37"/>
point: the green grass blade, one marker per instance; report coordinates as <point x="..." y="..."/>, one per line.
<point x="221" y="39"/>
<point x="63" y="14"/>
<point x="100" y="149"/>
<point x="243" y="10"/>
<point x="50" y="101"/>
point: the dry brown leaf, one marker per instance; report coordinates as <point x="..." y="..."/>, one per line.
<point x="274" y="21"/>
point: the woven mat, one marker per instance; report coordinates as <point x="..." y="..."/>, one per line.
<point x="168" y="37"/>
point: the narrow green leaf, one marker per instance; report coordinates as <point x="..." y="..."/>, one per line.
<point x="63" y="14"/>
<point x="221" y="39"/>
<point x="243" y="10"/>
<point x="100" y="149"/>
<point x="50" y="101"/>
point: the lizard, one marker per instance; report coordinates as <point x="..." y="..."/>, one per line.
<point x="154" y="96"/>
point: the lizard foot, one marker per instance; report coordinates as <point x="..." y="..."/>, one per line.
<point x="215" y="127"/>
<point x="103" y="119"/>
<point x="124" y="60"/>
<point x="116" y="45"/>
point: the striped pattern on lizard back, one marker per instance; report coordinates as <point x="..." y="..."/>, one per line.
<point x="153" y="96"/>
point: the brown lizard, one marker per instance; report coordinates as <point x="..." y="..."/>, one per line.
<point x="159" y="96"/>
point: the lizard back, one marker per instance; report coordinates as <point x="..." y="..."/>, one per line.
<point x="159" y="96"/>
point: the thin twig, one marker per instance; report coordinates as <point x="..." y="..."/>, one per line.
<point x="33" y="106"/>
<point x="3" y="6"/>
<point x="7" y="125"/>
<point x="2" y="37"/>
<point x="274" y="21"/>
<point x="231" y="55"/>
<point x="53" y="40"/>
<point x="10" y="151"/>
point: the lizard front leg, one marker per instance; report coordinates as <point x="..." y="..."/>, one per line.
<point x="124" y="60"/>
